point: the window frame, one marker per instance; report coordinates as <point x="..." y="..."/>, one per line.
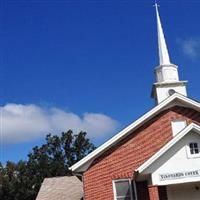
<point x="132" y="187"/>
<point x="195" y="155"/>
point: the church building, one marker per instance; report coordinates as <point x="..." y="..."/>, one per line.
<point x="157" y="157"/>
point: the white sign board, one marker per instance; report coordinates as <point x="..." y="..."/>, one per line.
<point x="179" y="175"/>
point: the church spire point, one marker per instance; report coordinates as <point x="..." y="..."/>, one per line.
<point x="162" y="46"/>
<point x="166" y="73"/>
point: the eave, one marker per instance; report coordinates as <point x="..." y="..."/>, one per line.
<point x="192" y="127"/>
<point x="174" y="100"/>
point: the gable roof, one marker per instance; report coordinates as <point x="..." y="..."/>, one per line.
<point x="176" y="99"/>
<point x="61" y="188"/>
<point x="169" y="145"/>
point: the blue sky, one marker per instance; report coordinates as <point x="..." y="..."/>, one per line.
<point x="86" y="65"/>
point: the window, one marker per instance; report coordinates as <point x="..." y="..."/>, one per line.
<point x="193" y="150"/>
<point x="123" y="189"/>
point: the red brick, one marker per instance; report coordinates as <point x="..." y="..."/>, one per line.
<point x="153" y="193"/>
<point x="124" y="158"/>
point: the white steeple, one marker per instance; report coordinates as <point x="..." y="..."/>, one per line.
<point x="163" y="51"/>
<point x="166" y="73"/>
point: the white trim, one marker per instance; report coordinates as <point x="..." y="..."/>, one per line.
<point x="178" y="125"/>
<point x="179" y="136"/>
<point x="135" y="190"/>
<point x="86" y="161"/>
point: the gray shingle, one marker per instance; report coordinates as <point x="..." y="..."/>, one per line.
<point x="61" y="188"/>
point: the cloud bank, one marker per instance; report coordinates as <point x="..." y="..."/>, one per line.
<point x="21" y="123"/>
<point x="190" y="47"/>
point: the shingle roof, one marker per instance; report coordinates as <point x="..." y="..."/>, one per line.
<point x="61" y="188"/>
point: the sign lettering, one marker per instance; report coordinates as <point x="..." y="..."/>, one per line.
<point x="179" y="175"/>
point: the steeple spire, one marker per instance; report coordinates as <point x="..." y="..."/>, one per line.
<point x="166" y="73"/>
<point x="163" y="51"/>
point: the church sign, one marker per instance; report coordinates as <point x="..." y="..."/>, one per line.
<point x="179" y="175"/>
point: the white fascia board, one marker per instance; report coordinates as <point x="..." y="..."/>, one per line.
<point x="89" y="158"/>
<point x="171" y="143"/>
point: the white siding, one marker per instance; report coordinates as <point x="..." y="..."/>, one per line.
<point x="176" y="160"/>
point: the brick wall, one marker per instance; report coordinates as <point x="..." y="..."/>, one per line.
<point x="153" y="192"/>
<point x="121" y="160"/>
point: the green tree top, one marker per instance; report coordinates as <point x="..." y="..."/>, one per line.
<point x="21" y="181"/>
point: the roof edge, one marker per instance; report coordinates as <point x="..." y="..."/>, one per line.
<point x="90" y="157"/>
<point x="166" y="147"/>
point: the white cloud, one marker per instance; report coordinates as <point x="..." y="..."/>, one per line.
<point x="190" y="47"/>
<point x="22" y="123"/>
